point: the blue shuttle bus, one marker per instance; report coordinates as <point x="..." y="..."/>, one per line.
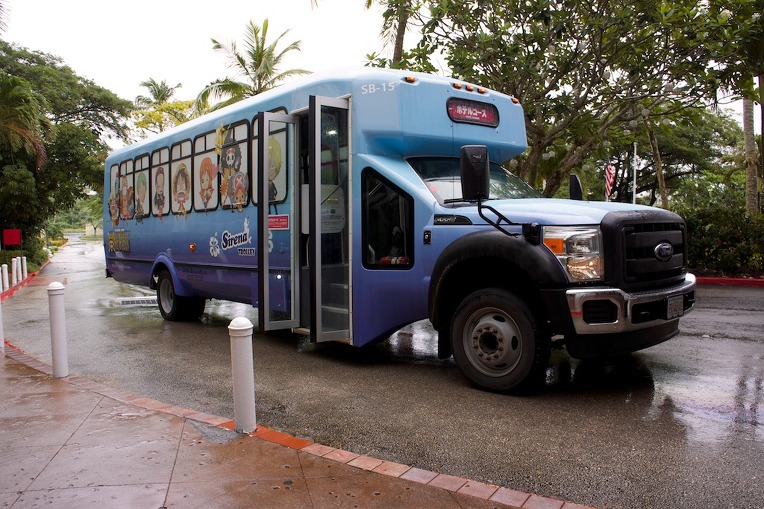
<point x="347" y="205"/>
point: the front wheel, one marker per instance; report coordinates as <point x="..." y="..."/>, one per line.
<point x="496" y="342"/>
<point x="173" y="307"/>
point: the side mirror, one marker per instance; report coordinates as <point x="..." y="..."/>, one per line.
<point x="576" y="191"/>
<point x="475" y="172"/>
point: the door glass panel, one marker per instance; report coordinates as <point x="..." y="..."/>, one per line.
<point x="331" y="175"/>
<point x="279" y="225"/>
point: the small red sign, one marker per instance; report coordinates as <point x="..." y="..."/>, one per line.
<point x="278" y="222"/>
<point x="12" y="237"/>
<point x="472" y="112"/>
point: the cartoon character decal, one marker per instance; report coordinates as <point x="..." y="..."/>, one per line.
<point x="231" y="164"/>
<point x="240" y="187"/>
<point x="208" y="172"/>
<point x="114" y="196"/>
<point x="274" y="168"/>
<point x="181" y="187"/>
<point x="141" y="201"/>
<point x="234" y="183"/>
<point x="159" y="193"/>
<point x="126" y="198"/>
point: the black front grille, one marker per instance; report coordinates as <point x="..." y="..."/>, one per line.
<point x="641" y="261"/>
<point x="644" y="248"/>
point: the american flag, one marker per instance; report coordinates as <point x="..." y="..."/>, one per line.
<point x="609" y="178"/>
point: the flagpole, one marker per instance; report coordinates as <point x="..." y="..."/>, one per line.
<point x="634" y="194"/>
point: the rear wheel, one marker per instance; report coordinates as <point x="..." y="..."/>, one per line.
<point x="496" y="343"/>
<point x="173" y="307"/>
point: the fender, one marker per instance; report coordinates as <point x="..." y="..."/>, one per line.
<point x="165" y="261"/>
<point x="535" y="261"/>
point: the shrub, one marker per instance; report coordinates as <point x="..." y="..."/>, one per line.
<point x="724" y="241"/>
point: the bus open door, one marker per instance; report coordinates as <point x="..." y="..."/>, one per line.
<point x="325" y="289"/>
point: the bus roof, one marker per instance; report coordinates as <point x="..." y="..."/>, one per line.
<point x="394" y="113"/>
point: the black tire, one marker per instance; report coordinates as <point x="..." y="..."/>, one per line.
<point x="173" y="307"/>
<point x="496" y="342"/>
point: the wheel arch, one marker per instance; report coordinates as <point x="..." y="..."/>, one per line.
<point x="161" y="263"/>
<point x="489" y="259"/>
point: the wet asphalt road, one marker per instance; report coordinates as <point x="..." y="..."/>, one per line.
<point x="678" y="425"/>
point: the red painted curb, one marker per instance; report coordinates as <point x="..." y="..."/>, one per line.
<point x="10" y="291"/>
<point x="730" y="281"/>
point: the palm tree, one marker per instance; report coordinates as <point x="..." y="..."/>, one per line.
<point x="21" y="121"/>
<point x="157" y="112"/>
<point x="257" y="65"/>
<point x="753" y="57"/>
<point x="159" y="93"/>
<point x="395" y="23"/>
<point x="751" y="173"/>
<point x="3" y="17"/>
<point x="397" y="18"/>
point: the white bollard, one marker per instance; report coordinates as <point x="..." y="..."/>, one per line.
<point x="5" y="284"/>
<point x="58" y="330"/>
<point x="23" y="268"/>
<point x="18" y="270"/>
<point x="242" y="367"/>
<point x="14" y="270"/>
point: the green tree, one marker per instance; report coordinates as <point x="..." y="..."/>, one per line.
<point x="164" y="116"/>
<point x="581" y="69"/>
<point x="256" y="68"/>
<point x="21" y="122"/>
<point x="86" y="211"/>
<point x="398" y="17"/>
<point x="157" y="112"/>
<point x="751" y="181"/>
<point x="691" y="142"/>
<point x="159" y="93"/>
<point x="68" y="97"/>
<point x="74" y="119"/>
<point x="740" y="66"/>
<point x="749" y="16"/>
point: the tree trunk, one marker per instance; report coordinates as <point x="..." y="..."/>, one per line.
<point x="658" y="166"/>
<point x="761" y="137"/>
<point x="400" y="32"/>
<point x="751" y="171"/>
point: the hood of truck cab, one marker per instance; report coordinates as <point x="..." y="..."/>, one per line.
<point x="550" y="211"/>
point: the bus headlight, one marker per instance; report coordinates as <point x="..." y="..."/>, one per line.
<point x="578" y="249"/>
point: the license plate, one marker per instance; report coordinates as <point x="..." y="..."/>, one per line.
<point x="675" y="307"/>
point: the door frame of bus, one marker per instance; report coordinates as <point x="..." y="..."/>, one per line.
<point x="321" y="331"/>
<point x="291" y="319"/>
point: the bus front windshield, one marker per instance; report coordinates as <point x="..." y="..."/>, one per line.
<point x="443" y="178"/>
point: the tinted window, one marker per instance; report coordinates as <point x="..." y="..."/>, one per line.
<point x="443" y="177"/>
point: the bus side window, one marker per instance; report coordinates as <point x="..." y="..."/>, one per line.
<point x="160" y="183"/>
<point x="126" y="200"/>
<point x="388" y="223"/>
<point x="234" y="167"/>
<point x="141" y="188"/>
<point x="180" y="178"/>
<point x="205" y="174"/>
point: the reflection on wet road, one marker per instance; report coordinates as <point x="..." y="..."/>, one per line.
<point x="715" y="402"/>
<point x="676" y="425"/>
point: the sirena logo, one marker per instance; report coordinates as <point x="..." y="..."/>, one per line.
<point x="664" y="251"/>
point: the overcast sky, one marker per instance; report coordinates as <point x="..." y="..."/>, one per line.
<point x="120" y="44"/>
